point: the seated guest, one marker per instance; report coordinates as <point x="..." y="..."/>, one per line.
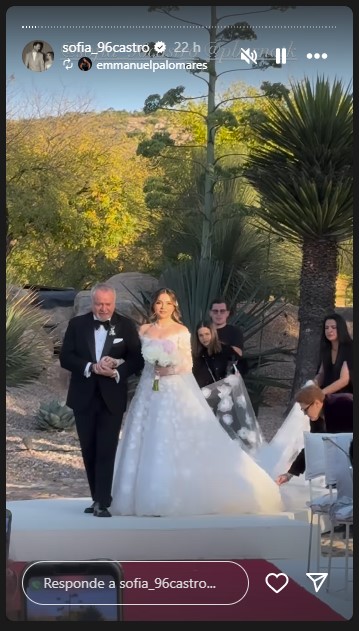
<point x="336" y="356"/>
<point x="229" y="399"/>
<point x="332" y="413"/>
<point x="212" y="360"/>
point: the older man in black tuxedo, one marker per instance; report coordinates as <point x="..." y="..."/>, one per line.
<point x="101" y="349"/>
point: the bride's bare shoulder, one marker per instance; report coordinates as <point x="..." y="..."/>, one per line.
<point x="181" y="328"/>
<point x="143" y="328"/>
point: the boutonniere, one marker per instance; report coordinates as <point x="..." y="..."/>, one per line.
<point x="112" y="330"/>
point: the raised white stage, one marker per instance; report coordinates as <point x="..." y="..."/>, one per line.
<point x="58" y="529"/>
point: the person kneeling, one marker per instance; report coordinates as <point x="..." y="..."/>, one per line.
<point x="331" y="413"/>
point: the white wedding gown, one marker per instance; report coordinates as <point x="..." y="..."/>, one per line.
<point x="174" y="458"/>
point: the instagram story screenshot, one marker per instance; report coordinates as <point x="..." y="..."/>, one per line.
<point x="179" y="313"/>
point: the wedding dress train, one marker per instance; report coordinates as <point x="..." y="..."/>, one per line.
<point x="276" y="457"/>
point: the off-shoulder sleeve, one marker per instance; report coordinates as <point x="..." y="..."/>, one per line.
<point x="185" y="353"/>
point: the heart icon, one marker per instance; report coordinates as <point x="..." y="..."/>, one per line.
<point x="277" y="582"/>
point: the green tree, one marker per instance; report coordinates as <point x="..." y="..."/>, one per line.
<point x="74" y="196"/>
<point x="180" y="192"/>
<point x="238" y="239"/>
<point x="216" y="116"/>
<point x="302" y="168"/>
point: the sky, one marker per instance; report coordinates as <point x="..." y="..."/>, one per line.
<point x="89" y="31"/>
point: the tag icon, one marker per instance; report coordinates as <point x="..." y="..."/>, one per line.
<point x="277" y="582"/>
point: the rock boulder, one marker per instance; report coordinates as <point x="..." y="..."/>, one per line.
<point x="128" y="286"/>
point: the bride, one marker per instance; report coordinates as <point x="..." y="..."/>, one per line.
<point x="174" y="458"/>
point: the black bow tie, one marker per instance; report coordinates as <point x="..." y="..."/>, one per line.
<point x="106" y="324"/>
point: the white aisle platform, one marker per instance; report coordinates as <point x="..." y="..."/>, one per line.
<point x="58" y="530"/>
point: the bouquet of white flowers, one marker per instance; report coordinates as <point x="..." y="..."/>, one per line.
<point x="160" y="353"/>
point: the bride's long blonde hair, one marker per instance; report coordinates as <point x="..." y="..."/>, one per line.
<point x="176" y="315"/>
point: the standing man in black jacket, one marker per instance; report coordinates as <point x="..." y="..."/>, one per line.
<point x="101" y="349"/>
<point x="228" y="334"/>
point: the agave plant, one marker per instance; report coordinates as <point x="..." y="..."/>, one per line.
<point x="55" y="417"/>
<point x="26" y="350"/>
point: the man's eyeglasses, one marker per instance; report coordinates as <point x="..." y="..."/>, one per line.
<point x="219" y="310"/>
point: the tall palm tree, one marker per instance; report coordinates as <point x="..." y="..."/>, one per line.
<point x="302" y="169"/>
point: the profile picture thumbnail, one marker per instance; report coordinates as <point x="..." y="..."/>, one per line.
<point x="85" y="64"/>
<point x="38" y="56"/>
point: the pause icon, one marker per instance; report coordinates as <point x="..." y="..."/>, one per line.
<point x="280" y="55"/>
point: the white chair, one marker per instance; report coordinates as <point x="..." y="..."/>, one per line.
<point x="338" y="467"/>
<point x="315" y="468"/>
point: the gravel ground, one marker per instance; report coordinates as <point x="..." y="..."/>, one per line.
<point x="42" y="464"/>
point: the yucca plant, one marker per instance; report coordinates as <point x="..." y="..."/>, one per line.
<point x="26" y="350"/>
<point x="55" y="417"/>
<point x="302" y="167"/>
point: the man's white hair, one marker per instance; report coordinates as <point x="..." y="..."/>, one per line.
<point x="102" y="287"/>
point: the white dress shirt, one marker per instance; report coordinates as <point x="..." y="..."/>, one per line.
<point x="100" y="339"/>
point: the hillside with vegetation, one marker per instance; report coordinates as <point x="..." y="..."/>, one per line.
<point x="82" y="204"/>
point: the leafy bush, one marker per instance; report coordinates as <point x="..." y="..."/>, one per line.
<point x="27" y="351"/>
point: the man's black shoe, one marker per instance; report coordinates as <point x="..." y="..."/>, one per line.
<point x="101" y="512"/>
<point x="90" y="509"/>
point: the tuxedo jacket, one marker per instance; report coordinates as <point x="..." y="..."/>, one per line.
<point x="78" y="349"/>
<point x="37" y="64"/>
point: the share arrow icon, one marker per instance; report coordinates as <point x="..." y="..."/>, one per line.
<point x="317" y="579"/>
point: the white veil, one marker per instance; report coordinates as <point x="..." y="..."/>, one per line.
<point x="277" y="455"/>
<point x="232" y="406"/>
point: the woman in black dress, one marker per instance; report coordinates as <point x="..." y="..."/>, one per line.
<point x="336" y="357"/>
